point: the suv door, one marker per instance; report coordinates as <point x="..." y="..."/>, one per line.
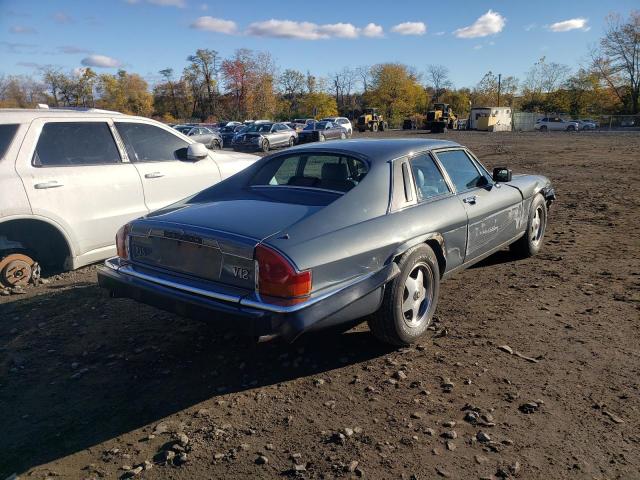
<point x="74" y="175"/>
<point x="494" y="211"/>
<point x="160" y="156"/>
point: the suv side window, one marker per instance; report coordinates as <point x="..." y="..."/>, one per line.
<point x="429" y="181"/>
<point x="7" y="132"/>
<point x="148" y="143"/>
<point x="461" y="169"/>
<point x="75" y="143"/>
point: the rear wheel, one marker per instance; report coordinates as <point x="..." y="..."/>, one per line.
<point x="292" y="141"/>
<point x="531" y="243"/>
<point x="409" y="300"/>
<point x="265" y="145"/>
<point x="374" y="127"/>
<point x="543" y="128"/>
<point x="383" y="126"/>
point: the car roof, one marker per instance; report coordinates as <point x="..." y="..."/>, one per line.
<point x="25" y="115"/>
<point x="376" y="150"/>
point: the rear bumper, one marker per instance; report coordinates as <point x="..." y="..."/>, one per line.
<point x="246" y="314"/>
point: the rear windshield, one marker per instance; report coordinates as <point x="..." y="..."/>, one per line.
<point x="7" y="132"/>
<point x="324" y="171"/>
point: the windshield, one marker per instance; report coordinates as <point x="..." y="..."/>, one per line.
<point x="184" y="130"/>
<point x="310" y="126"/>
<point x="227" y="129"/>
<point x="259" y="127"/>
<point x="325" y="171"/>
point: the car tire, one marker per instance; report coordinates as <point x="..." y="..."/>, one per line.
<point x="292" y="141"/>
<point x="343" y="136"/>
<point x="571" y="128"/>
<point x="215" y="145"/>
<point x="543" y="128"/>
<point x="531" y="242"/>
<point x="265" y="145"/>
<point x="396" y="322"/>
<point x="321" y="138"/>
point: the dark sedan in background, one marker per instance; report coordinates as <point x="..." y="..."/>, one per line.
<point x="228" y="132"/>
<point x="321" y="131"/>
<point x="329" y="235"/>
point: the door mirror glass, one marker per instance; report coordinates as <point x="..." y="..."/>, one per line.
<point x="196" y="151"/>
<point x="501" y="174"/>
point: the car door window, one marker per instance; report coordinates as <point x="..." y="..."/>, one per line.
<point x="429" y="180"/>
<point x="461" y="169"/>
<point x="7" y="132"/>
<point x="75" y="143"/>
<point x="148" y="143"/>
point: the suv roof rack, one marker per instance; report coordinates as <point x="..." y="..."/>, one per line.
<point x="44" y="106"/>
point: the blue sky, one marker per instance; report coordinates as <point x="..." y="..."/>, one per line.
<point x="144" y="36"/>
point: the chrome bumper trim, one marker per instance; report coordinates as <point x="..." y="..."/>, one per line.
<point x="114" y="264"/>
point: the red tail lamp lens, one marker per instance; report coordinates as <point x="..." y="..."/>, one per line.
<point x="121" y="241"/>
<point x="277" y="277"/>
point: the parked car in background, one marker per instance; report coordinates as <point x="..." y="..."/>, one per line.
<point x="228" y="132"/>
<point x="586" y="125"/>
<point x="556" y="123"/>
<point x="265" y="136"/>
<point x="326" y="235"/>
<point x="203" y="135"/>
<point x="304" y="121"/>
<point x="342" y="122"/>
<point x="70" y="179"/>
<point x="628" y="122"/>
<point x="593" y="122"/>
<point x="321" y="131"/>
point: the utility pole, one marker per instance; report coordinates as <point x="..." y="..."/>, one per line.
<point x="499" y="85"/>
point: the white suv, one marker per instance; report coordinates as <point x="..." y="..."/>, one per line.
<point x="342" y="121"/>
<point x="69" y="179"/>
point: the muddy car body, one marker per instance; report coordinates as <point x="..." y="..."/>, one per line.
<point x="326" y="234"/>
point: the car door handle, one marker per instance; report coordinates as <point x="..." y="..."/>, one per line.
<point x="154" y="175"/>
<point x="470" y="200"/>
<point x="50" y="184"/>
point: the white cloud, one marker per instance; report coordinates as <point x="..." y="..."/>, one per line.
<point x="162" y="3"/>
<point x="212" y="24"/>
<point x="72" y="49"/>
<point x="301" y="30"/>
<point x="373" y="30"/>
<point x="410" y="28"/>
<point x="439" y="34"/>
<point x="61" y="17"/>
<point x="571" y="24"/>
<point x="488" y="24"/>
<point x="100" y="61"/>
<point x="23" y="30"/>
<point x="531" y="26"/>
<point x="477" y="47"/>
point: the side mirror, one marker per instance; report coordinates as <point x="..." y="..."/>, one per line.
<point x="196" y="151"/>
<point x="501" y="175"/>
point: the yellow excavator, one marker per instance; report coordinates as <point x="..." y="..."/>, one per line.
<point x="371" y="120"/>
<point x="441" y="118"/>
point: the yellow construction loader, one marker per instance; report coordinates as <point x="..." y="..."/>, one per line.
<point x="371" y="120"/>
<point x="441" y="118"/>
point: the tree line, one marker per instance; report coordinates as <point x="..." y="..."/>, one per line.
<point x="249" y="85"/>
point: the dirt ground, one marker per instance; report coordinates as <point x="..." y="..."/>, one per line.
<point x="92" y="387"/>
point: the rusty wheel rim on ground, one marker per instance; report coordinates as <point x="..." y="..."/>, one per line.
<point x="16" y="269"/>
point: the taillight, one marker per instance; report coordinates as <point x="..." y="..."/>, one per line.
<point x="122" y="246"/>
<point x="278" y="278"/>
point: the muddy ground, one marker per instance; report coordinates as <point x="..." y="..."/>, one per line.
<point x="91" y="387"/>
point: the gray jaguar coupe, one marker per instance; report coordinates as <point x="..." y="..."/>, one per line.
<point x="328" y="235"/>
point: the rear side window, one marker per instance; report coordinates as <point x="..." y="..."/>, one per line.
<point x="148" y="143"/>
<point x="75" y="143"/>
<point x="325" y="171"/>
<point x="461" y="170"/>
<point x="7" y="132"/>
<point x="429" y="181"/>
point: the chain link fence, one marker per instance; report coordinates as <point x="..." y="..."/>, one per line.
<point x="526" y="121"/>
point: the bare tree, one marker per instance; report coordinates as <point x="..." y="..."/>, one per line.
<point x="205" y="63"/>
<point x="545" y="77"/>
<point x="617" y="60"/>
<point x="364" y="74"/>
<point x="438" y="79"/>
